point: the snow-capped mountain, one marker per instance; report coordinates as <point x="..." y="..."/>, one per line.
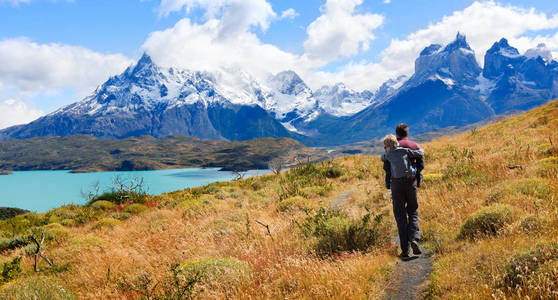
<point x="339" y="100"/>
<point x="389" y="88"/>
<point x="448" y="88"/>
<point x="150" y="100"/>
<point x="519" y="82"/>
<point x="452" y="64"/>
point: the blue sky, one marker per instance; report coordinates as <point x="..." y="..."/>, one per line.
<point x="53" y="53"/>
<point x="122" y="26"/>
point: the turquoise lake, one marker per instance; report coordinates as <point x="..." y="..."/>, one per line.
<point x="40" y="191"/>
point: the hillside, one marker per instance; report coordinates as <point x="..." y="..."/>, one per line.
<point x="487" y="207"/>
<point x="83" y="153"/>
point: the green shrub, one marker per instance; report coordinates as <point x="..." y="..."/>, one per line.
<point x="523" y="265"/>
<point x="333" y="172"/>
<point x="55" y="232"/>
<point x="21" y="223"/>
<point x="106" y="223"/>
<point x="11" y="270"/>
<point x="300" y="177"/>
<point x="530" y="187"/>
<point x="35" y="288"/>
<point x="65" y="212"/>
<point x="30" y="249"/>
<point x="531" y="224"/>
<point x="120" y="215"/>
<point x="12" y="244"/>
<point x="547" y="149"/>
<point x="535" y="187"/>
<point x="487" y="221"/>
<point x="432" y="178"/>
<point x="332" y="232"/>
<point x="295" y="203"/>
<point x="102" y="205"/>
<point x="4" y="244"/>
<point x="121" y="197"/>
<point x="135" y="208"/>
<point x="547" y="167"/>
<point x="461" y="163"/>
<point x="68" y="222"/>
<point x="217" y="272"/>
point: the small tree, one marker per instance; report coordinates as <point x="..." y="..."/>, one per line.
<point x="39" y="251"/>
<point x="276" y="165"/>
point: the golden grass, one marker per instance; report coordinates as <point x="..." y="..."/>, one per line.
<point x="464" y="174"/>
<point x="219" y="221"/>
<point x="475" y="269"/>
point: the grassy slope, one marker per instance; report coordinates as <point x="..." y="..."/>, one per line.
<point x="476" y="268"/>
<point x="87" y="153"/>
<point x="465" y="173"/>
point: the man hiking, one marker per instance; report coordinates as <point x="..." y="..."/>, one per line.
<point x="403" y="184"/>
<point x="402" y="134"/>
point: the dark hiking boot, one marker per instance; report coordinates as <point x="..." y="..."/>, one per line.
<point x="404" y="256"/>
<point x="416" y="248"/>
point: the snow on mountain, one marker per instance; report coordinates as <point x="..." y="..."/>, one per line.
<point x="454" y="63"/>
<point x="540" y="51"/>
<point x="288" y="97"/>
<point x="339" y="100"/>
<point x="448" y="88"/>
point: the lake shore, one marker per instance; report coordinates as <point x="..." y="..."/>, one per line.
<point x="5" y="172"/>
<point x="40" y="191"/>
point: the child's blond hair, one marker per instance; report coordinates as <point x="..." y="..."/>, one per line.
<point x="390" y="141"/>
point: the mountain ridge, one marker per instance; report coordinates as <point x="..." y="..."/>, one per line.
<point x="448" y="88"/>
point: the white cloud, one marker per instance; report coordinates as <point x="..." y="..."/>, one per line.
<point x="29" y="67"/>
<point x="340" y="31"/>
<point x="289" y="14"/>
<point x="235" y="15"/>
<point x="387" y="1"/>
<point x="14" y="112"/>
<point x="483" y="22"/>
<point x="202" y="47"/>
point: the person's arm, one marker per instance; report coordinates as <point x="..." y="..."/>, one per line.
<point x="420" y="164"/>
<point x="387" y="168"/>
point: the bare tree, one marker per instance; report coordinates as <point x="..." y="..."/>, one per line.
<point x="238" y="175"/>
<point x="126" y="188"/>
<point x="92" y="193"/>
<point x="39" y="252"/>
<point x="276" y="165"/>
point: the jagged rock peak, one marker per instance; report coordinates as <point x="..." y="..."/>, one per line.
<point x="460" y="42"/>
<point x="145" y="62"/>
<point x="503" y="47"/>
<point x="288" y="82"/>
<point x="432" y="49"/>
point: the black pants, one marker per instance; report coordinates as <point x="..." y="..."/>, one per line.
<point x="405" y="205"/>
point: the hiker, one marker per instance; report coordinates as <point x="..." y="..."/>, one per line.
<point x="403" y="185"/>
<point x="402" y="134"/>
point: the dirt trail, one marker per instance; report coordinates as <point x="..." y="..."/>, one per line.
<point x="410" y="278"/>
<point x="341" y="200"/>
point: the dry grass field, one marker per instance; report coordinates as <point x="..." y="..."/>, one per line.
<point x="488" y="211"/>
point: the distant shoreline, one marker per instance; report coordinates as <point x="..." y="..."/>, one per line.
<point x="88" y="154"/>
<point x="2" y="172"/>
